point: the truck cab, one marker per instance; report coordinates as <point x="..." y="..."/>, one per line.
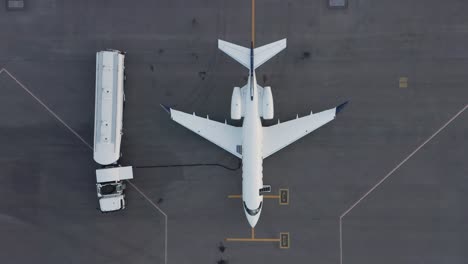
<point x="110" y="187"/>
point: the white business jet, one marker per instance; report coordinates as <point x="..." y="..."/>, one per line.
<point x="252" y="142"/>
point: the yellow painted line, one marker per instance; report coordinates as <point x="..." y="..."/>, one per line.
<point x="253" y="239"/>
<point x="283" y="239"/>
<point x="271" y="196"/>
<point x="253" y="23"/>
<point x="237" y="196"/>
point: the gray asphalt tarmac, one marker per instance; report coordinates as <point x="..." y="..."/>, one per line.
<point x="417" y="215"/>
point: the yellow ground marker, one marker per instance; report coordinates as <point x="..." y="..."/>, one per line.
<point x="253" y="23"/>
<point x="283" y="196"/>
<point x="283" y="239"/>
<point x="271" y="196"/>
<point x="238" y="196"/>
<point x="403" y="82"/>
<point x="252" y="238"/>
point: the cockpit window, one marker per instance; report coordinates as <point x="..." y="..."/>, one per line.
<point x="253" y="212"/>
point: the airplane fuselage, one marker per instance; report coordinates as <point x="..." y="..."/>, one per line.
<point x="252" y="142"/>
<point x="252" y="160"/>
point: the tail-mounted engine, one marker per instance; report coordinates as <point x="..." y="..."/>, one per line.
<point x="236" y="104"/>
<point x="267" y="103"/>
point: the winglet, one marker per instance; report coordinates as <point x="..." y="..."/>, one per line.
<point x="341" y="106"/>
<point x="166" y="108"/>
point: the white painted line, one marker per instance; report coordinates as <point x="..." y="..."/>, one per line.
<point x="91" y="148"/>
<point x="47" y="108"/>
<point x="159" y="209"/>
<point x="390" y="173"/>
<point x="405" y="160"/>
<point x="341" y="242"/>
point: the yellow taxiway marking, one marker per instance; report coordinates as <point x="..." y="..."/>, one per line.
<point x="253" y="23"/>
<point x="282" y="196"/>
<point x="253" y="239"/>
<point x="238" y="196"/>
<point x="283" y="240"/>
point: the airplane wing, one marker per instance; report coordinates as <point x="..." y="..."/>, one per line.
<point x="223" y="135"/>
<point x="281" y="135"/>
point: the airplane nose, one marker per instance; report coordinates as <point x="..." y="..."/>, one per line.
<point x="252" y="220"/>
<point x="253" y="215"/>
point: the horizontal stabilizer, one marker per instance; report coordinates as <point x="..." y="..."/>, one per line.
<point x="239" y="53"/>
<point x="261" y="54"/>
<point x="264" y="53"/>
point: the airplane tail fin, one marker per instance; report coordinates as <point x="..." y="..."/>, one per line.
<point x="260" y="55"/>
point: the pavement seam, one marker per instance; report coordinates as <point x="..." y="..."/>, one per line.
<point x="91" y="148"/>
<point x="391" y="173"/>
